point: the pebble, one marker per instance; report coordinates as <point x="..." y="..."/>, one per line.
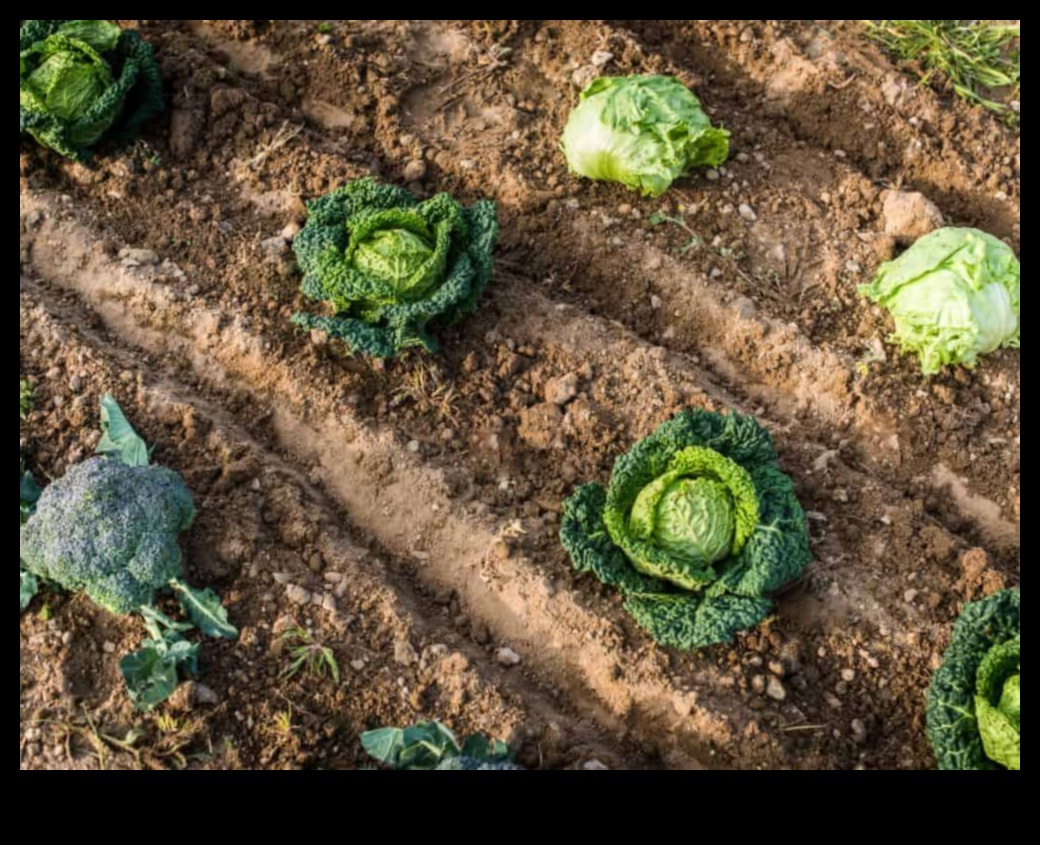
<point x="137" y="257"/>
<point x="711" y="175"/>
<point x="297" y="595"/>
<point x="75" y="384"/>
<point x="909" y="215"/>
<point x="747" y="212"/>
<point x="595" y="766"/>
<point x="204" y="695"/>
<point x="357" y="665"/>
<point x="405" y="654"/>
<point x="275" y="247"/>
<point x="910" y="596"/>
<point x="560" y="391"/>
<point x="859" y="730"/>
<point x="832" y="700"/>
<point x="848" y="675"/>
<point x="745" y="308"/>
<point x="415" y="170"/>
<point x="291" y="230"/>
<point x="656" y="302"/>
<point x="602" y="58"/>
<point x="758" y="684"/>
<point x="1015" y="106"/>
<point x="323" y="38"/>
<point x="775" y="689"/>
<point x="777" y="668"/>
<point x="508" y="657"/>
<point x="414" y="447"/>
<point x="109" y="648"/>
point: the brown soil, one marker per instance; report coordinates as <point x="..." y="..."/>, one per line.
<point x="407" y="514"/>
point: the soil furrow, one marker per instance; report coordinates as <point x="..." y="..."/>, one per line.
<point x="517" y="596"/>
<point x="269" y="525"/>
<point x="379" y="483"/>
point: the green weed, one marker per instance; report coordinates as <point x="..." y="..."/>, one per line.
<point x="970" y="58"/>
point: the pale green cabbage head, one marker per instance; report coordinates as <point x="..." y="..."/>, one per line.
<point x="954" y="295"/>
<point x="642" y="131"/>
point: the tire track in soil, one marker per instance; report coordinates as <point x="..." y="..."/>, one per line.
<point x="357" y="601"/>
<point x="677" y="305"/>
<point x="529" y="608"/>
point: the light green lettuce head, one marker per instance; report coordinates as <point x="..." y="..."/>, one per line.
<point x="954" y="295"/>
<point x="642" y="131"/>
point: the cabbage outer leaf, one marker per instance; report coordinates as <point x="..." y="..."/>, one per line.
<point x="642" y="131"/>
<point x="973" y="701"/>
<point x="954" y="295"/>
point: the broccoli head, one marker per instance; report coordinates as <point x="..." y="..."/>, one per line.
<point x="110" y="530"/>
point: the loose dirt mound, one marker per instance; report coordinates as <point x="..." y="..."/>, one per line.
<point x="407" y="515"/>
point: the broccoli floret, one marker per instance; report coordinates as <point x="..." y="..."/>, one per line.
<point x="110" y="531"/>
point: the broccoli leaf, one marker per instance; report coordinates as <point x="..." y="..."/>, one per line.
<point x="29" y="494"/>
<point x="151" y="673"/>
<point x="118" y="438"/>
<point x="430" y="746"/>
<point x="205" y="610"/>
<point x="384" y="745"/>
<point x="150" y="677"/>
<point x="30" y="587"/>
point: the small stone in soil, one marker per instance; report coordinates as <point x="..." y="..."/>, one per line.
<point x="508" y="657"/>
<point x="775" y="690"/>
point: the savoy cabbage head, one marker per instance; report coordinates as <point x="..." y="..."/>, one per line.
<point x="697" y="527"/>
<point x="83" y="80"/>
<point x="641" y="131"/>
<point x="388" y="265"/>
<point x="954" y="295"/>
<point x="974" y="704"/>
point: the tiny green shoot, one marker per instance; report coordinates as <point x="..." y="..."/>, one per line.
<point x="660" y="218"/>
<point x="309" y="656"/>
